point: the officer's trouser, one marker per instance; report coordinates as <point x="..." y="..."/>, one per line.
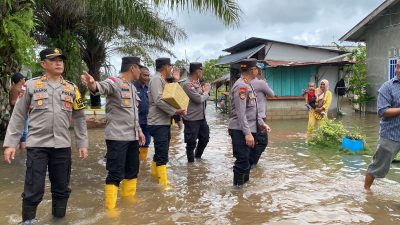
<point x="58" y="162"/>
<point x="122" y="161"/>
<point x="194" y="130"/>
<point x="146" y="134"/>
<point x="312" y="121"/>
<point x="161" y="136"/>
<point x="241" y="152"/>
<point x="260" y="146"/>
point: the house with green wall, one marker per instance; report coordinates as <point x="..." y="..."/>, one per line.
<point x="289" y="69"/>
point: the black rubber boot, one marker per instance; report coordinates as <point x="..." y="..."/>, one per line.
<point x="28" y="212"/>
<point x="238" y="180"/>
<point x="189" y="151"/>
<point x="199" y="150"/>
<point x="59" y="207"/>
<point x="246" y="177"/>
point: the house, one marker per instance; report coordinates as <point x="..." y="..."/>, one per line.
<point x="290" y="67"/>
<point x="380" y="31"/>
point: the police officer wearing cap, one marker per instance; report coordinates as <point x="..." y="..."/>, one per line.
<point x="262" y="90"/>
<point x="244" y="122"/>
<point x="122" y="133"/>
<point x="159" y="120"/>
<point x="51" y="104"/>
<point x="196" y="127"/>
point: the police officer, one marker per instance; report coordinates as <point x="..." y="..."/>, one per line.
<point x="196" y="126"/>
<point x="244" y="122"/>
<point x="159" y="120"/>
<point x="50" y="102"/>
<point x="142" y="90"/>
<point x="262" y="90"/>
<point x="122" y="133"/>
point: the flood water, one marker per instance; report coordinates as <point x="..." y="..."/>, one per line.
<point x="291" y="185"/>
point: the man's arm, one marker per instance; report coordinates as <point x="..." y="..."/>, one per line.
<point x="78" y="115"/>
<point x="384" y="106"/>
<point x="239" y="99"/>
<point x="194" y="95"/>
<point x="156" y="89"/>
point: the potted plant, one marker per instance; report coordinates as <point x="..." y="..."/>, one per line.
<point x="354" y="142"/>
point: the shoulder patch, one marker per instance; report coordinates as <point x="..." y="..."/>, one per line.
<point x="79" y="102"/>
<point x="113" y="79"/>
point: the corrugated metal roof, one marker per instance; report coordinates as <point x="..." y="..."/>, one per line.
<point x="237" y="57"/>
<point x="254" y="41"/>
<point x="275" y="63"/>
<point x="356" y="33"/>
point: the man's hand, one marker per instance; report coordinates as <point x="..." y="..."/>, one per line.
<point x="250" y="140"/>
<point x="265" y="128"/>
<point x="88" y="81"/>
<point x="206" y="88"/>
<point x="9" y="154"/>
<point x="142" y="139"/>
<point x="176" y="73"/>
<point x="83" y="153"/>
<point x="180" y="112"/>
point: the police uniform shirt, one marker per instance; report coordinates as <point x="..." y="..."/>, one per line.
<point x="197" y="102"/>
<point x="160" y="112"/>
<point x="262" y="90"/>
<point x="243" y="114"/>
<point x="51" y="106"/>
<point x="121" y="109"/>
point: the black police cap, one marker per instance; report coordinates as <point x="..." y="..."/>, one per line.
<point x="51" y="53"/>
<point x="162" y="61"/>
<point x="248" y="63"/>
<point x="195" y="66"/>
<point x="130" y="60"/>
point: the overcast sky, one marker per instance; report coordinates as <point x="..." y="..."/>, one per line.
<point x="307" y="22"/>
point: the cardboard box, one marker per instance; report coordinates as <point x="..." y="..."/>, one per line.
<point x="174" y="95"/>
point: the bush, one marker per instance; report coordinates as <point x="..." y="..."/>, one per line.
<point x="330" y="134"/>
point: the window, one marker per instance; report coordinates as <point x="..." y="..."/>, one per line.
<point x="289" y="81"/>
<point x="392" y="68"/>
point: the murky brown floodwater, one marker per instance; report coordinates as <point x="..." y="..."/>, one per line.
<point x="292" y="185"/>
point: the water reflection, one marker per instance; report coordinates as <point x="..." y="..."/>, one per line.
<point x="292" y="184"/>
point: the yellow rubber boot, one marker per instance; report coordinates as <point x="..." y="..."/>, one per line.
<point x="110" y="200"/>
<point x="162" y="176"/>
<point x="154" y="169"/>
<point x="143" y="153"/>
<point x="128" y="187"/>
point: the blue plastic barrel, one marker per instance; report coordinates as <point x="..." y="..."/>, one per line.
<point x="352" y="145"/>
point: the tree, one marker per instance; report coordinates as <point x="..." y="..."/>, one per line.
<point x="16" y="48"/>
<point x="211" y="72"/>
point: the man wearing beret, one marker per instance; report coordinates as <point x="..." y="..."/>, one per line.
<point x="244" y="122"/>
<point x="196" y="127"/>
<point x="51" y="104"/>
<point x="122" y="133"/>
<point x="159" y="120"/>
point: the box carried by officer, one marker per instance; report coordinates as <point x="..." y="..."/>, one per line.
<point x="196" y="127"/>
<point x="122" y="133"/>
<point x="51" y="103"/>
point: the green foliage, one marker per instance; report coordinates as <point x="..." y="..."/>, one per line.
<point x="211" y="72"/>
<point x="330" y="134"/>
<point x="358" y="82"/>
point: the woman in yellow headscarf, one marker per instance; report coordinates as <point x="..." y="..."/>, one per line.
<point x="323" y="102"/>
